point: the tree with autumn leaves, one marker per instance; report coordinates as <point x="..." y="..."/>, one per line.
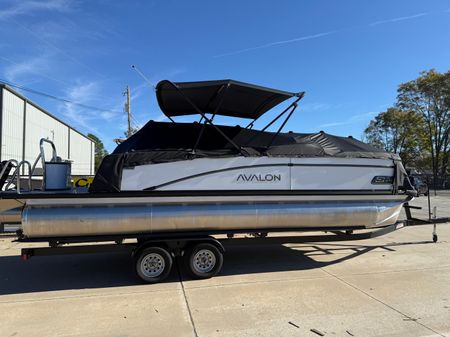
<point x="417" y="127"/>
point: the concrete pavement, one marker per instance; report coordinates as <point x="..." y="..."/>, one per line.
<point x="394" y="285"/>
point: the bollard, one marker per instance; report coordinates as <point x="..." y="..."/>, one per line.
<point x="435" y="237"/>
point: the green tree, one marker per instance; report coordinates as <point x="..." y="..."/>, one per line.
<point x="133" y="130"/>
<point x="429" y="96"/>
<point x="397" y="131"/>
<point x="100" y="151"/>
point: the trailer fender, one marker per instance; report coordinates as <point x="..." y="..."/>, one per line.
<point x="208" y="239"/>
<point x="177" y="246"/>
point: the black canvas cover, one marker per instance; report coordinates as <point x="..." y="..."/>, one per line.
<point x="224" y="97"/>
<point x="159" y="142"/>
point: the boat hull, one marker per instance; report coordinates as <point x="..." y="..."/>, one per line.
<point x="115" y="216"/>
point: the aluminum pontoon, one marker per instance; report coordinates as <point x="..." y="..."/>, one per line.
<point x="197" y="179"/>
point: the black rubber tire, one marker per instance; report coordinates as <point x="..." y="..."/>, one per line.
<point x="188" y="260"/>
<point x="156" y="251"/>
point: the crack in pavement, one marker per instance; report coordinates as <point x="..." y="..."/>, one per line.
<point x="383" y="303"/>
<point x="191" y="318"/>
<point x="57" y="298"/>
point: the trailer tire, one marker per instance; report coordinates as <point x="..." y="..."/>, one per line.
<point x="153" y="264"/>
<point x="203" y="260"/>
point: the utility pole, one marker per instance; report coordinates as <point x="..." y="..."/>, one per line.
<point x="128" y="109"/>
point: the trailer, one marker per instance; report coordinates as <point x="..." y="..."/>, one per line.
<point x="158" y="227"/>
<point x="176" y="190"/>
<point x="202" y="253"/>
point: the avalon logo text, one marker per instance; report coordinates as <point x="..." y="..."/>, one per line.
<point x="258" y="177"/>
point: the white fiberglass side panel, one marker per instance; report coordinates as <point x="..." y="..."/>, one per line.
<point x="236" y="173"/>
<point x="339" y="173"/>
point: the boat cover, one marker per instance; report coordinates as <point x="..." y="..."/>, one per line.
<point x="161" y="142"/>
<point x="224" y="97"/>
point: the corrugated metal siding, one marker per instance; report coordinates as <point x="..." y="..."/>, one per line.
<point x="80" y="154"/>
<point x="40" y="125"/>
<point x="92" y="158"/>
<point x="12" y="126"/>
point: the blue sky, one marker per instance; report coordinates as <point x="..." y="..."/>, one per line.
<point x="349" y="55"/>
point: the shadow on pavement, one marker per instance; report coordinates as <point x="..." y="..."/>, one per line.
<point x="67" y="272"/>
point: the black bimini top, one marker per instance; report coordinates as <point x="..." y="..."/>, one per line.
<point x="159" y="142"/>
<point x="223" y="97"/>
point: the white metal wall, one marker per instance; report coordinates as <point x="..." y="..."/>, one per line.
<point x="92" y="158"/>
<point x="39" y="124"/>
<point x="12" y="126"/>
<point x="80" y="154"/>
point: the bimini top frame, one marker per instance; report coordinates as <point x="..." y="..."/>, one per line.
<point x="225" y="98"/>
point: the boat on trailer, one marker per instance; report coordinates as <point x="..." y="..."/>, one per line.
<point x="201" y="178"/>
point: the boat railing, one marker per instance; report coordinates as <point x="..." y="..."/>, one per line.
<point x="41" y="157"/>
<point x="16" y="176"/>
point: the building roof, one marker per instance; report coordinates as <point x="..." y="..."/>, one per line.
<point x="7" y="87"/>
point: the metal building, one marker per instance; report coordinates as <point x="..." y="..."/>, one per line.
<point x="22" y="125"/>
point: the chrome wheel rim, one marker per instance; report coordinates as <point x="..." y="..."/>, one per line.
<point x="204" y="261"/>
<point x="152" y="265"/>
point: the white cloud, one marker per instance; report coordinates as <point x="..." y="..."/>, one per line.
<point x="352" y="120"/>
<point x="88" y="118"/>
<point x="277" y="43"/>
<point x="25" y="70"/>
<point x="80" y="94"/>
<point x="401" y="18"/>
<point x="161" y="118"/>
<point x="323" y="34"/>
<point x="31" y="7"/>
<point x="17" y="70"/>
<point x="315" y="106"/>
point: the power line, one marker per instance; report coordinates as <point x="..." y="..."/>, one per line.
<point x="34" y="71"/>
<point x="135" y="120"/>
<point x="64" y="100"/>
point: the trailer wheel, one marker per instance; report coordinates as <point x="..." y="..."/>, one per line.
<point x="203" y="260"/>
<point x="153" y="264"/>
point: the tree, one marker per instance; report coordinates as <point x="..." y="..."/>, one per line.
<point x="131" y="132"/>
<point x="429" y="96"/>
<point x="397" y="131"/>
<point x="100" y="151"/>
